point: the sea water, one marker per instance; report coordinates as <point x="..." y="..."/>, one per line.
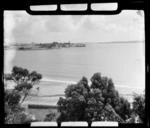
<point x="123" y="62"/>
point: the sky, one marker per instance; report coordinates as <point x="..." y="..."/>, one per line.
<point x="21" y="27"/>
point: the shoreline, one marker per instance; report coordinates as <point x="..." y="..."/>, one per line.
<point x="34" y="49"/>
<point x="51" y="100"/>
<point x="44" y="46"/>
<point x="50" y="91"/>
<point x="49" y="94"/>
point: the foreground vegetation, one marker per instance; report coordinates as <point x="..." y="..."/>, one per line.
<point x="24" y="80"/>
<point x="99" y="101"/>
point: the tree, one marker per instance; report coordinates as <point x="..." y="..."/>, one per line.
<point x="19" y="117"/>
<point x="14" y="113"/>
<point x="72" y="108"/>
<point x="97" y="102"/>
<point x="110" y="95"/>
<point x="24" y="81"/>
<point x="124" y="108"/>
<point x="139" y="106"/>
<point x="84" y="81"/>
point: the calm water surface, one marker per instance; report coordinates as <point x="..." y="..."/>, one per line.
<point x="124" y="63"/>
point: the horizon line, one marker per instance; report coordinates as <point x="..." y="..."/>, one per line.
<point x="119" y="41"/>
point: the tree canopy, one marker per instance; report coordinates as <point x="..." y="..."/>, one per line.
<point x="97" y="102"/>
<point x="23" y="79"/>
<point x="139" y="106"/>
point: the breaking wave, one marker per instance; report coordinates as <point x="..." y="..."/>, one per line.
<point x="75" y="82"/>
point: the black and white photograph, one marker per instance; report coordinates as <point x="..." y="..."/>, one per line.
<point x="67" y="68"/>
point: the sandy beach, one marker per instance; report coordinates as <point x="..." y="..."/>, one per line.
<point x="50" y="92"/>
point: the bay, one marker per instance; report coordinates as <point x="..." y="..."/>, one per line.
<point x="123" y="62"/>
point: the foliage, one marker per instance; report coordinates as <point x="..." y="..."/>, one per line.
<point x="100" y="101"/>
<point x="139" y="106"/>
<point x="134" y="119"/>
<point x="24" y="81"/>
<point x="11" y="102"/>
<point x="14" y="113"/>
<point x="50" y="116"/>
<point x="74" y="103"/>
<point x="110" y="95"/>
<point x="11" y="99"/>
<point x="19" y="117"/>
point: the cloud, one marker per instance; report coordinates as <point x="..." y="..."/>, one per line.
<point x="49" y="28"/>
<point x="59" y="24"/>
<point x="21" y="27"/>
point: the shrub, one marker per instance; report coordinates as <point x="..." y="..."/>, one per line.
<point x="51" y="116"/>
